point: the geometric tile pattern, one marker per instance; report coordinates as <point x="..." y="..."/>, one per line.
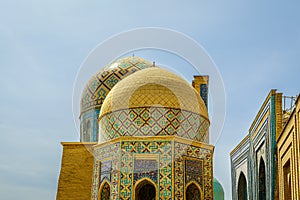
<point x="154" y="121"/>
<point x="194" y="170"/>
<point x="161" y="148"/>
<point x="169" y="164"/>
<point x="145" y="168"/>
<point x="103" y="81"/>
<point x="163" y="105"/>
<point x="105" y="171"/>
<point x="182" y="151"/>
<point x="154" y="87"/>
<point x="98" y="88"/>
<point x="107" y="154"/>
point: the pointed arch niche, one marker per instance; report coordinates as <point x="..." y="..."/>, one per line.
<point x="193" y="191"/>
<point x="262" y="180"/>
<point x="104" y="191"/>
<point x="242" y="187"/>
<point x="145" y="189"/>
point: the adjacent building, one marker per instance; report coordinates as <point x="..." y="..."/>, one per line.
<point x="264" y="165"/>
<point x="253" y="161"/>
<point x="288" y="154"/>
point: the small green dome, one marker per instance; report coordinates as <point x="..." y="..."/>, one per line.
<point x="218" y="190"/>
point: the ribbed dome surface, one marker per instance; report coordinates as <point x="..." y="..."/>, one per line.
<point x="153" y="102"/>
<point x="104" y="80"/>
<point x="218" y="190"/>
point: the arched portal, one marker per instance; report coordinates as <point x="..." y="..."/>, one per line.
<point x="145" y="190"/>
<point x="262" y="180"/>
<point x="104" y="192"/>
<point x="193" y="192"/>
<point x="242" y="187"/>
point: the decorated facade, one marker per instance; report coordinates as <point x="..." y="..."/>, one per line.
<point x="288" y="152"/>
<point x="263" y="163"/>
<point x="148" y="132"/>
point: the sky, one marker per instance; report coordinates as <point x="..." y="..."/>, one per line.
<point x="255" y="45"/>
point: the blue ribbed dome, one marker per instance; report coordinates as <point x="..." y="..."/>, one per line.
<point x="218" y="190"/>
<point x="98" y="88"/>
<point x="104" y="80"/>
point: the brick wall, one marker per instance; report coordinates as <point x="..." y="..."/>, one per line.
<point x="75" y="180"/>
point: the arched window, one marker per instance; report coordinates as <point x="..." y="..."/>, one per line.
<point x="88" y="131"/>
<point x="104" y="192"/>
<point x="192" y="192"/>
<point x="242" y="187"/>
<point x="262" y="180"/>
<point x="145" y="190"/>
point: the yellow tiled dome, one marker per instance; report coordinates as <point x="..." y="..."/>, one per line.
<point x="154" y="87"/>
<point x="153" y="101"/>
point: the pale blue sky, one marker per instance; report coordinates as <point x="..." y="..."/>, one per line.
<point x="255" y="44"/>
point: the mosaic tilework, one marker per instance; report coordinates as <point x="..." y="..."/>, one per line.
<point x="154" y="87"/>
<point x="133" y="160"/>
<point x="194" y="170"/>
<point x="145" y="168"/>
<point x="184" y="150"/>
<point x="109" y="153"/>
<point x="163" y="149"/>
<point x="103" y="81"/>
<point x="105" y="170"/>
<point x="89" y="126"/>
<point x="204" y="93"/>
<point x="152" y="122"/>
